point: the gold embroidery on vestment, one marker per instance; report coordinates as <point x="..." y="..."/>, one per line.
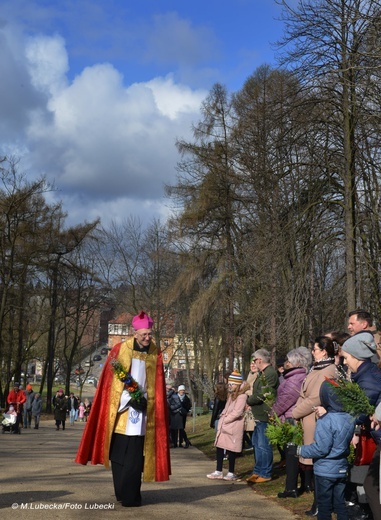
<point x="117" y="421"/>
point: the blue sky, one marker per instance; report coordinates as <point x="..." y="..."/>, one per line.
<point x="95" y="93"/>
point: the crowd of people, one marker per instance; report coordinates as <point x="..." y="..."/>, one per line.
<point x="69" y="407"/>
<point x="26" y="407"/>
<point x="300" y="391"/>
<point x="136" y="418"/>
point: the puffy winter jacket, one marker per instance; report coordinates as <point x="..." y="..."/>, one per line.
<point x="288" y="392"/>
<point x="333" y="433"/>
<point x="368" y="377"/>
<point x="231" y="424"/>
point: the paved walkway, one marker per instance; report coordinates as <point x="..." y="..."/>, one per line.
<point x="39" y="480"/>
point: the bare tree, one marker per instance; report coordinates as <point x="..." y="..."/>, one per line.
<point x="206" y="192"/>
<point x="331" y="45"/>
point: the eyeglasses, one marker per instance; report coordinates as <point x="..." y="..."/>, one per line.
<point x="145" y="334"/>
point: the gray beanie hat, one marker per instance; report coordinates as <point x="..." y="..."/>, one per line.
<point x="361" y="345"/>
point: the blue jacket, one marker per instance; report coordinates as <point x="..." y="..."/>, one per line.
<point x="333" y="433"/>
<point x="368" y="377"/>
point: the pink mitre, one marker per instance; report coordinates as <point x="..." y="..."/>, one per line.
<point x="142" y="321"/>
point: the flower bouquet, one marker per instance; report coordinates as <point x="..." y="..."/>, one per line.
<point x="130" y="384"/>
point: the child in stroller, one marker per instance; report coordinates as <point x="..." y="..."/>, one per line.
<point x="10" y="423"/>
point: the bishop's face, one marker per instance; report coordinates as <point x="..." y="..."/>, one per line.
<point x="143" y="337"/>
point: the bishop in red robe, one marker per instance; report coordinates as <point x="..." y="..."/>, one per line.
<point x="131" y="433"/>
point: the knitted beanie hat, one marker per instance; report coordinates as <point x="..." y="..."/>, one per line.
<point x="235" y="377"/>
<point x="360" y="346"/>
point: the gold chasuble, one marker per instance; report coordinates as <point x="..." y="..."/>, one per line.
<point x="104" y="419"/>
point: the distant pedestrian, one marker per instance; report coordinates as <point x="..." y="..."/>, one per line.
<point x="175" y="416"/>
<point x="10" y="420"/>
<point x="186" y="404"/>
<point x="36" y="410"/>
<point x="28" y="406"/>
<point x="87" y="404"/>
<point x="72" y="406"/>
<point x="60" y="409"/>
<point x="220" y="397"/>
<point x="17" y="398"/>
<point x="81" y="412"/>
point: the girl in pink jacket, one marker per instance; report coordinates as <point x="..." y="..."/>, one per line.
<point x="230" y="427"/>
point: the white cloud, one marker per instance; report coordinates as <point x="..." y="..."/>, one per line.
<point x="48" y="63"/>
<point x="105" y="144"/>
<point x="173" y="100"/>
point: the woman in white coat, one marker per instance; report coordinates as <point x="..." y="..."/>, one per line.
<point x="231" y="427"/>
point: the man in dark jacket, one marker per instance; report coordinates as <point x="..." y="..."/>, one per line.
<point x="175" y="416"/>
<point x="264" y="393"/>
<point x="72" y="407"/>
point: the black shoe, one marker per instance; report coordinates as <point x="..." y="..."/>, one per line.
<point x="306" y="489"/>
<point x="288" y="494"/>
<point x="312" y="512"/>
<point x="356" y="512"/>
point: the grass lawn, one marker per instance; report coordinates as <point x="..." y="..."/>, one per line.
<point x="202" y="437"/>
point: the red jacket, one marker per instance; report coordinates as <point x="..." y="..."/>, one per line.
<point x="16" y="398"/>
